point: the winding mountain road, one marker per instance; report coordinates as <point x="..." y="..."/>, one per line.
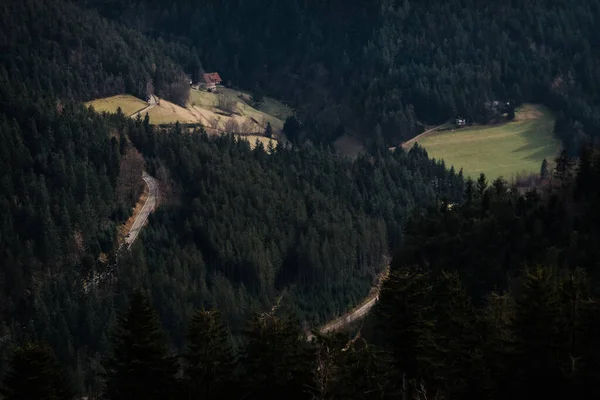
<point x="148" y="207"/>
<point x="406" y="145"/>
<point x="346" y="320"/>
<point x="359" y="312"/>
<point x="151" y="103"/>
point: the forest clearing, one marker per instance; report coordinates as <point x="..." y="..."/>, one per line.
<point x="227" y="110"/>
<point x="504" y="150"/>
<point x="129" y="104"/>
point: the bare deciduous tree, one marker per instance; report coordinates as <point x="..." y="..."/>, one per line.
<point x="166" y="187"/>
<point x="231" y="126"/>
<point x="214" y="122"/>
<point x="247" y="127"/>
<point x="326" y="370"/>
<point x="226" y="104"/>
<point x="129" y="182"/>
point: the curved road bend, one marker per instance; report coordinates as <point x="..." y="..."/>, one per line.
<point x="148" y="207"/>
<point x="151" y="103"/>
<point x="358" y="313"/>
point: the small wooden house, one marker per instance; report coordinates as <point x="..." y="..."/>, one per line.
<point x="211" y="80"/>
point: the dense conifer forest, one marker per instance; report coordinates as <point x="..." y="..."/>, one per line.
<point x="253" y="225"/>
<point x="492" y="291"/>
<point x="237" y="228"/>
<point x="388" y="66"/>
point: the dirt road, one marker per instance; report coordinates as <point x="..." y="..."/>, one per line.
<point x="406" y="145"/>
<point x="359" y="312"/>
<point x="151" y="103"/>
<point x="146" y="210"/>
<point x="346" y="320"/>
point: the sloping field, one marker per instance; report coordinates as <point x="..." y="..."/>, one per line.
<point x="239" y="102"/>
<point x="226" y="111"/>
<point x="169" y="113"/>
<point x="503" y="150"/>
<point x="128" y="104"/>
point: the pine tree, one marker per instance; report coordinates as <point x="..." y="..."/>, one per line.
<point x="544" y="169"/>
<point x="140" y="366"/>
<point x="453" y="358"/>
<point x="291" y="127"/>
<point x="403" y="315"/>
<point x="588" y="346"/>
<point x="277" y="359"/>
<point x="209" y="364"/>
<point x="269" y="130"/>
<point x="469" y="190"/>
<point x="564" y="167"/>
<point x="540" y="336"/>
<point x="498" y="344"/>
<point x="366" y="372"/>
<point x="34" y="374"/>
<point x="482" y="185"/>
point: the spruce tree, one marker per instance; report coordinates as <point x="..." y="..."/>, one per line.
<point x="469" y="190"/>
<point x="544" y="169"/>
<point x="34" y="374"/>
<point x="277" y="359"/>
<point x="588" y="347"/>
<point x="367" y="372"/>
<point x="540" y="336"/>
<point x="498" y="344"/>
<point x="482" y="184"/>
<point x="269" y="130"/>
<point x="403" y="315"/>
<point x="209" y="364"/>
<point x="454" y="358"/>
<point x="140" y="366"/>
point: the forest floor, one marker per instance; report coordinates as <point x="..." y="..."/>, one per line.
<point x="507" y="150"/>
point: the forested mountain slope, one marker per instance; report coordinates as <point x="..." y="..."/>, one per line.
<point x="351" y="66"/>
<point x="298" y="223"/>
<point x="499" y="296"/>
<point x="238" y="228"/>
<point x="431" y="336"/>
<point x="56" y="49"/>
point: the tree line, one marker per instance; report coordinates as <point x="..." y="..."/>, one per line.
<point x="427" y="340"/>
<point x="275" y="360"/>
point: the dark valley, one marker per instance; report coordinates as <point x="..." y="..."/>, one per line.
<point x="314" y="200"/>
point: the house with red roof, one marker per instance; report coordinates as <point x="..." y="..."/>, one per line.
<point x="211" y="80"/>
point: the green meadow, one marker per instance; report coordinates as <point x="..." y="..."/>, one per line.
<point x="505" y="150"/>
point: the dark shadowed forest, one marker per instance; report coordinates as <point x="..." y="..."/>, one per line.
<point x="492" y="291"/>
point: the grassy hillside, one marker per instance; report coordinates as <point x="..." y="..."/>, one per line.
<point x="226" y="111"/>
<point x="502" y="150"/>
<point x="129" y="104"/>
<point x="240" y="104"/>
